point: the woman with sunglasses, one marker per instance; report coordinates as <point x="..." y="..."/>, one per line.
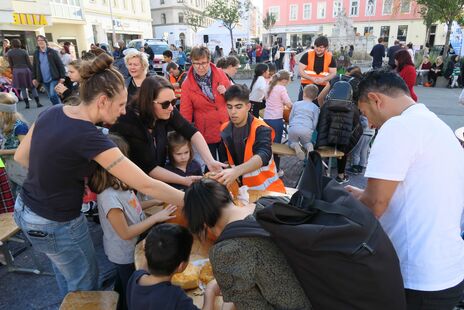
<point x="145" y="127"/>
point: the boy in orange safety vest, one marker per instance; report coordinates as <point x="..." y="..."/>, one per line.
<point x="248" y="142"/>
<point x="176" y="77"/>
<point x="317" y="66"/>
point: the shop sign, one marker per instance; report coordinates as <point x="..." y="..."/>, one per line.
<point x="29" y="19"/>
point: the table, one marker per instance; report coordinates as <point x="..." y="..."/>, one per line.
<point x="200" y="249"/>
<point x="95" y="300"/>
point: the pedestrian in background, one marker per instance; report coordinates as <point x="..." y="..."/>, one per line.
<point x="377" y="54"/>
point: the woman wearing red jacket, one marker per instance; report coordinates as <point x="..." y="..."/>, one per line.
<point x="405" y="68"/>
<point x="203" y="102"/>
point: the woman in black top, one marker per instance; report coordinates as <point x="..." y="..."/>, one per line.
<point x="436" y="71"/>
<point x="70" y="87"/>
<point x="146" y="125"/>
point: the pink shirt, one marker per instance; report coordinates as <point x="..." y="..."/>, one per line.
<point x="275" y="102"/>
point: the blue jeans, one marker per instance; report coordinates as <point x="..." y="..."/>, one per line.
<point x="67" y="244"/>
<point x="50" y="88"/>
<point x="278" y="126"/>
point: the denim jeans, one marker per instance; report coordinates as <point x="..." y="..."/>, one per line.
<point x="50" y="88"/>
<point x="67" y="244"/>
<point x="278" y="126"/>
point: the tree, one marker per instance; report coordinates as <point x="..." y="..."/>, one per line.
<point x="268" y="23"/>
<point x="194" y="20"/>
<point x="229" y="13"/>
<point x="443" y="11"/>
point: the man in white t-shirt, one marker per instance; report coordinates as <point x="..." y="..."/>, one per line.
<point x="416" y="188"/>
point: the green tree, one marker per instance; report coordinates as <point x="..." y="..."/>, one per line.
<point x="193" y="19"/>
<point x="268" y="23"/>
<point x="229" y="13"/>
<point x="443" y="11"/>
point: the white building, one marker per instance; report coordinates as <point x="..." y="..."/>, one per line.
<point x="170" y="20"/>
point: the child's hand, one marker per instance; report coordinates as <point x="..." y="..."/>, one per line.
<point x="165" y="214"/>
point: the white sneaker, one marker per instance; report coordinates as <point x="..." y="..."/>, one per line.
<point x="299" y="152"/>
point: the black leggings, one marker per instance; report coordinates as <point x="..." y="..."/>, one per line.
<point x="341" y="164"/>
<point x="445" y="299"/>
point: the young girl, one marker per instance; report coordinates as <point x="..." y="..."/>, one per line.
<point x="70" y="88"/>
<point x="276" y="98"/>
<point x="181" y="160"/>
<point x="13" y="129"/>
<point x="122" y="220"/>
<point x="258" y="88"/>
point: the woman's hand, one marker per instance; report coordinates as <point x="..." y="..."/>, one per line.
<point x="60" y="88"/>
<point x="165" y="214"/>
<point x="215" y="166"/>
<point x="190" y="179"/>
<point x="221" y="89"/>
<point x="227" y="176"/>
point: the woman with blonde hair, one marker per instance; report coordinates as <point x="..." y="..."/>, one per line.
<point x="276" y="99"/>
<point x="13" y="129"/>
<point x="137" y="65"/>
<point x="436" y="71"/>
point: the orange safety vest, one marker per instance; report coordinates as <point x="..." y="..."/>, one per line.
<point x="173" y="80"/>
<point x="264" y="178"/>
<point x="310" y="67"/>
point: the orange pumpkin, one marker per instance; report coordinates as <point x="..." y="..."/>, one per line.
<point x="287" y="114"/>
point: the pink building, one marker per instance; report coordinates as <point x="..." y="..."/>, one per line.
<point x="299" y="20"/>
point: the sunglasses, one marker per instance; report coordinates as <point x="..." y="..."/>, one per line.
<point x="166" y="104"/>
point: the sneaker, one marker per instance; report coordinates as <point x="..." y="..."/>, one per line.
<point x="354" y="170"/>
<point x="299" y="153"/>
<point x="280" y="173"/>
<point x="342" y="181"/>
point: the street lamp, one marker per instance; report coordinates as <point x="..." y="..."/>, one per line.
<point x="112" y="23"/>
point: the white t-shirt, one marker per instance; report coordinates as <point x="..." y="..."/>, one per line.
<point x="119" y="251"/>
<point x="423" y="218"/>
<point x="259" y="90"/>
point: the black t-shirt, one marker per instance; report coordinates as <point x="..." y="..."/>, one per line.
<point x="62" y="149"/>
<point x="161" y="296"/>
<point x="149" y="149"/>
<point x="239" y="136"/>
<point x="318" y="62"/>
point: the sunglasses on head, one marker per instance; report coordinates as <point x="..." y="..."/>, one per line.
<point x="166" y="104"/>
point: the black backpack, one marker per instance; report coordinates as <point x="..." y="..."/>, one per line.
<point x="336" y="247"/>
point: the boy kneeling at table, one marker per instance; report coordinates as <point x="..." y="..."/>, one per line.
<point x="248" y="142"/>
<point x="167" y="250"/>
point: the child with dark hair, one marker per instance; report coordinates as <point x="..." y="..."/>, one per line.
<point x="181" y="160"/>
<point x="167" y="250"/>
<point x="258" y="88"/>
<point x="167" y="56"/>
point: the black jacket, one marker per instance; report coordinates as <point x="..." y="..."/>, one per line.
<point x="57" y="70"/>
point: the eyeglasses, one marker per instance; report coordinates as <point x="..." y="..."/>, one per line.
<point x="166" y="104"/>
<point x="200" y="64"/>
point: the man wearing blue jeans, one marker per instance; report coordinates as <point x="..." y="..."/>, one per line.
<point x="47" y="69"/>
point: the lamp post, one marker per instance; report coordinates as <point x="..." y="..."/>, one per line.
<point x="112" y="23"/>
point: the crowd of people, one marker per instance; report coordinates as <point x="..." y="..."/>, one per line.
<point x="137" y="139"/>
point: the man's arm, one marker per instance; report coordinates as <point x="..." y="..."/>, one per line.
<point x="301" y="71"/>
<point x="376" y="196"/>
<point x="332" y="74"/>
<point x="227" y="176"/>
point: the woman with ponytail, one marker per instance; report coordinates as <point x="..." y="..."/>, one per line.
<point x="62" y="148"/>
<point x="276" y="98"/>
<point x="258" y="88"/>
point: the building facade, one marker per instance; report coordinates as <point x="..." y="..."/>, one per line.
<point x="170" y="20"/>
<point x="299" y="20"/>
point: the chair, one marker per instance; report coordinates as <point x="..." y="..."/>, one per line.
<point x="8" y="230"/>
<point x="90" y="300"/>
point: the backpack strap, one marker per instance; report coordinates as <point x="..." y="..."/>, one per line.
<point x="242" y="229"/>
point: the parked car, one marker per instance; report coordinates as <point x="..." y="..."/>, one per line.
<point x="157" y="45"/>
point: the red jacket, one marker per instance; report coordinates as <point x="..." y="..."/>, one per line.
<point x="408" y="73"/>
<point x="196" y="107"/>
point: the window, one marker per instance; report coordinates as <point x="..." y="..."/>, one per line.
<point x="402" y="32"/>
<point x="124" y="3"/>
<point x="354" y="8"/>
<point x="368" y="30"/>
<point x="307" y="11"/>
<point x="385" y="33"/>
<point x="337" y="8"/>
<point x="370" y="7"/>
<point x="181" y="18"/>
<point x="405" y="6"/>
<point x="355" y="30"/>
<point x="387" y="7"/>
<point x="163" y="18"/>
<point x="161" y="1"/>
<point x="275" y="10"/>
<point x="293" y="12"/>
<point x="321" y="7"/>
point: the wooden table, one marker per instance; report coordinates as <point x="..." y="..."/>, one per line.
<point x="200" y="249"/>
<point x="8" y="227"/>
<point x="95" y="300"/>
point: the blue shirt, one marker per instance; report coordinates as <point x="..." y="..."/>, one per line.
<point x="161" y="296"/>
<point x="182" y="59"/>
<point x="45" y="67"/>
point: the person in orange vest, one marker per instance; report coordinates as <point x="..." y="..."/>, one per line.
<point x="317" y="66"/>
<point x="248" y="142"/>
<point x="176" y="77"/>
